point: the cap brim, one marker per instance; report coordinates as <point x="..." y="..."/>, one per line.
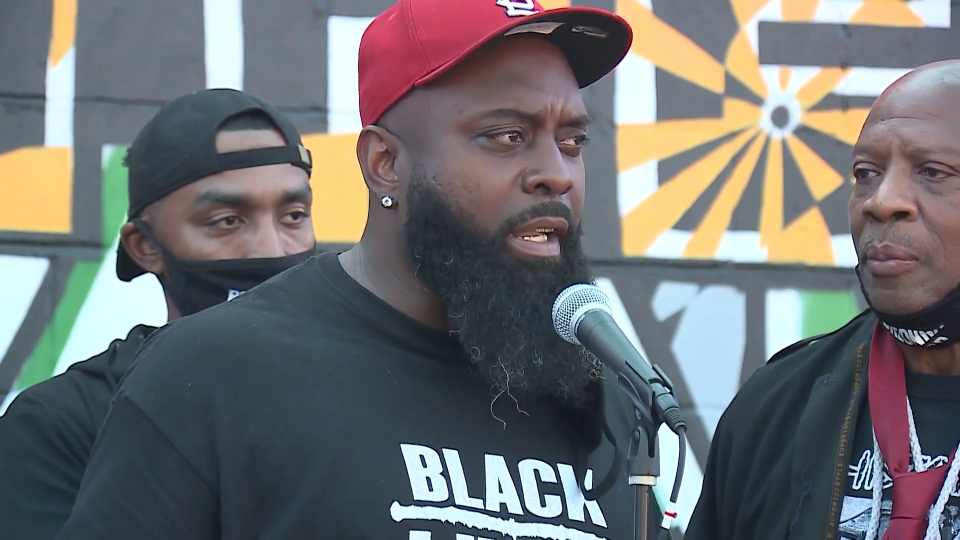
<point x="594" y="41"/>
<point x="127" y="269"/>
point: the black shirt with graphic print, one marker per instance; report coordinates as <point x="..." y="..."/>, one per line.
<point x="935" y="401"/>
<point x="309" y="408"/>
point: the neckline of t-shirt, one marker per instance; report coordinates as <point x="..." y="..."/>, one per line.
<point x="924" y="385"/>
<point x="384" y="317"/>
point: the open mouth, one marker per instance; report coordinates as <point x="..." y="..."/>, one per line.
<point x="538" y="237"/>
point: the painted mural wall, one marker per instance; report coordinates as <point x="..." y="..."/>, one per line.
<point x="718" y="174"/>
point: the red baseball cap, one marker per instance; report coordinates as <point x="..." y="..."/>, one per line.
<point x="415" y="41"/>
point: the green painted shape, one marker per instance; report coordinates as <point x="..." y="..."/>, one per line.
<point x="42" y="362"/>
<point x="113" y="197"/>
<point x="825" y="311"/>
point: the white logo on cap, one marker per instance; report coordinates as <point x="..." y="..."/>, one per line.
<point x="518" y="8"/>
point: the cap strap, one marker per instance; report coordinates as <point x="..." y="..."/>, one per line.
<point x="296" y="155"/>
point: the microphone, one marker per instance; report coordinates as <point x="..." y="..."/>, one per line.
<point x="582" y="315"/>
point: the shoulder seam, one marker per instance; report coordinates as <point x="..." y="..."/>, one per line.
<point x="173" y="444"/>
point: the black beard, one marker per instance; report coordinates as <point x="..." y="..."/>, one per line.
<point x="499" y="305"/>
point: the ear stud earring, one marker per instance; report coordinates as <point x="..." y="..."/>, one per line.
<point x="386" y="201"/>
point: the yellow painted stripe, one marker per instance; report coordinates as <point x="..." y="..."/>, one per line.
<point x="669" y="49"/>
<point x="661" y="210"/>
<point x="709" y="233"/>
<point x="63" y="29"/>
<point x="339" y="193"/>
<point x="36" y="192"/>
<point x="640" y="143"/>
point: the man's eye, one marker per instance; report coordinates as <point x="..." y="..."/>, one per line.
<point x="578" y="141"/>
<point x="226" y="222"/>
<point x="507" y="137"/>
<point x="297" y="216"/>
<point x="861" y="174"/>
<point x="933" y="174"/>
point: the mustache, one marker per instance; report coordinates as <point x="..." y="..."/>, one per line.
<point x="881" y="237"/>
<point x="544" y="209"/>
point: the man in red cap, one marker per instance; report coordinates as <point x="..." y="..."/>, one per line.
<point x="412" y="387"/>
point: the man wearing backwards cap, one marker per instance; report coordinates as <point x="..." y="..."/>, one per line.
<point x="412" y="387"/>
<point x="219" y="202"/>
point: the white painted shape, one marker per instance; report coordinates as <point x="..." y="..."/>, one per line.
<point x="343" y="96"/>
<point x="672" y="297"/>
<point x="836" y="11"/>
<point x="60" y="90"/>
<point x="8" y="400"/>
<point x="829" y="11"/>
<point x="799" y="76"/>
<point x="771" y="77"/>
<point x="635" y="97"/>
<point x="709" y="344"/>
<point x="669" y="445"/>
<point x="741" y="246"/>
<point x="636" y="184"/>
<point x="868" y="81"/>
<point x="935" y="13"/>
<point x="710" y="416"/>
<point x="794" y="113"/>
<point x="770" y="12"/>
<point x="106" y="152"/>
<point x="621" y="316"/>
<point x="20" y="280"/>
<point x="669" y="245"/>
<point x="111" y="309"/>
<point x="223" y="43"/>
<point x="784" y="319"/>
<point x="844" y="253"/>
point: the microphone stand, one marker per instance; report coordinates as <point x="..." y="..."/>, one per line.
<point x="643" y="473"/>
<point x="644" y="454"/>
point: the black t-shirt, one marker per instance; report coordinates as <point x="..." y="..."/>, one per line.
<point x="309" y="408"/>
<point x="46" y="437"/>
<point x="935" y="401"/>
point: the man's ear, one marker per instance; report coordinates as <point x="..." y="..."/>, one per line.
<point x="377" y="151"/>
<point x="140" y="249"/>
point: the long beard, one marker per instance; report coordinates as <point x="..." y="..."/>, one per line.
<point x="499" y="306"/>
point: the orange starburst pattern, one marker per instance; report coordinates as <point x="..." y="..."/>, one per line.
<point x="757" y="181"/>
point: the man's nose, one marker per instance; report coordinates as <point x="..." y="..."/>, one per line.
<point x="552" y="174"/>
<point x="893" y="197"/>
<point x="268" y="242"/>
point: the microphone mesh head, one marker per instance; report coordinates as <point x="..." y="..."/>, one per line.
<point x="573" y="304"/>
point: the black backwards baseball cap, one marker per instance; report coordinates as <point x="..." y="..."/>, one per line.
<point x="178" y="147"/>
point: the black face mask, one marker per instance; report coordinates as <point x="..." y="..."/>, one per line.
<point x="933" y="327"/>
<point x="194" y="286"/>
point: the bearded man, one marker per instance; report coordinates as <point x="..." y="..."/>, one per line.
<point x="413" y="386"/>
<point x="855" y="434"/>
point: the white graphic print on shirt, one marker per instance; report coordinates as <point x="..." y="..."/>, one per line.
<point x="855" y="514"/>
<point x="540" y="514"/>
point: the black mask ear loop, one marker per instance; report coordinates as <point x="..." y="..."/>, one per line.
<point x="172" y="281"/>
